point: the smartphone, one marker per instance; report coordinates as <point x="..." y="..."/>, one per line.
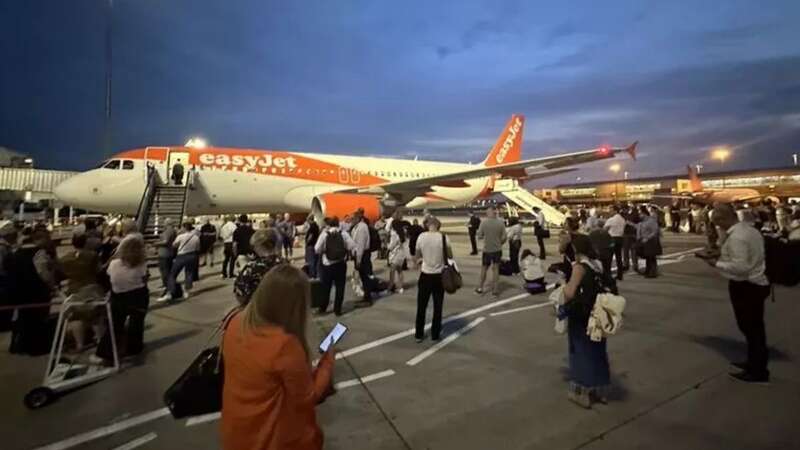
<point x="332" y="338"/>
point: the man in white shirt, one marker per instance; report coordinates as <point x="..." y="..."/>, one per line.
<point x="540" y="230"/>
<point x="430" y="252"/>
<point x="742" y="262"/>
<point x="187" y="246"/>
<point x="226" y="236"/>
<point x="616" y="228"/>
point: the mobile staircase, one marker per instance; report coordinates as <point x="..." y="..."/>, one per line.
<point x="521" y="197"/>
<point x="161" y="201"/>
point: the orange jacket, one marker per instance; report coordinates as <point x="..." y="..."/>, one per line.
<point x="270" y="392"/>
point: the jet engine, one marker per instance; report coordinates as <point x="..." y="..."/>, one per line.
<point x="340" y="205"/>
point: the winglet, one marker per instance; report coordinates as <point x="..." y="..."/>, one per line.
<point x="631" y="149"/>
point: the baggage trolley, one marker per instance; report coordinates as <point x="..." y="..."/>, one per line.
<point x="62" y="374"/>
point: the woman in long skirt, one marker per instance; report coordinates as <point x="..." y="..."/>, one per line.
<point x="588" y="360"/>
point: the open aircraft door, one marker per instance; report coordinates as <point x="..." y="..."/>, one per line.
<point x="175" y="157"/>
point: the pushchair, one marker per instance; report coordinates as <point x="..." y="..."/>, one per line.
<point x="63" y="374"/>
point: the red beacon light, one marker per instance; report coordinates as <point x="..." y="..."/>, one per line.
<point x="604" y="150"/>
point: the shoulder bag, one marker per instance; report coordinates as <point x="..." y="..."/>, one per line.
<point x="199" y="388"/>
<point x="451" y="279"/>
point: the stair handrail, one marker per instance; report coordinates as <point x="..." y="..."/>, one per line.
<point x="146" y="203"/>
<point x="189" y="185"/>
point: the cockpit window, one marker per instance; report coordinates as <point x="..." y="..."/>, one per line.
<point x="113" y="164"/>
<point x="127" y="165"/>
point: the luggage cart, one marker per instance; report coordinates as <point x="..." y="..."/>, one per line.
<point x="62" y="374"/>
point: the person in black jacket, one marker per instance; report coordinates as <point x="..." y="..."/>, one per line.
<point x="177" y="173"/>
<point x="472" y="227"/>
<point x="8" y="244"/>
<point x="312" y="234"/>
<point x="414" y="230"/>
<point x="34" y="278"/>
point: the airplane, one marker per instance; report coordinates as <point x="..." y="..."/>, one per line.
<point x="242" y="180"/>
<point x="698" y="194"/>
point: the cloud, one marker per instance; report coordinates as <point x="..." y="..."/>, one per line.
<point x="559" y="32"/>
<point x="476" y="34"/>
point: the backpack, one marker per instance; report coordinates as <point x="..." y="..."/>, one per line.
<point x="777" y="252"/>
<point x="335" y="250"/>
<point x="374" y="239"/>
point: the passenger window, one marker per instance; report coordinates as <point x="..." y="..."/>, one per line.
<point x="114" y="164"/>
<point x="127" y="165"/>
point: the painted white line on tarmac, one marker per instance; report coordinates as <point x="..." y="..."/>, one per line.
<point x="364" y="379"/>
<point x="523" y="308"/>
<point x="439" y="345"/>
<point x="138" y="442"/>
<point x="410" y="331"/>
<point x="682" y="253"/>
<point x="197" y="420"/>
<point x="107" y="430"/>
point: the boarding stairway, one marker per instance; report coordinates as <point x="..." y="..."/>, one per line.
<point x="516" y="194"/>
<point x="161" y="201"/>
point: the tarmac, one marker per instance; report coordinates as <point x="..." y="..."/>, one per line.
<point x="497" y="380"/>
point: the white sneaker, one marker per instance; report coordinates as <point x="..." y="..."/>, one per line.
<point x="164" y="298"/>
<point x="96" y="360"/>
<point x="186" y="294"/>
<point x="400" y="291"/>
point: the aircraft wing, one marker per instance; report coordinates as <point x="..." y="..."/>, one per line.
<point x="531" y="168"/>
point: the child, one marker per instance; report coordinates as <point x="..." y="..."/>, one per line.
<point x="532" y="272"/>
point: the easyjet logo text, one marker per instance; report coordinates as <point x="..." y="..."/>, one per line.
<point x="513" y="130"/>
<point x="248" y="162"/>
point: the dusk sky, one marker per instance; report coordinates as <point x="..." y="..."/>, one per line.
<point x="434" y="79"/>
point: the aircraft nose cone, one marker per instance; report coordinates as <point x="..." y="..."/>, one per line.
<point x="66" y="191"/>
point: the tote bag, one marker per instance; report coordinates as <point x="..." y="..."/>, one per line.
<point x="199" y="388"/>
<point x="451" y="278"/>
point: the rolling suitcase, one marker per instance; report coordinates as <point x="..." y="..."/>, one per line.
<point x="319" y="297"/>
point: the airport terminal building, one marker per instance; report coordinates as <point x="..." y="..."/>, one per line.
<point x="781" y="182"/>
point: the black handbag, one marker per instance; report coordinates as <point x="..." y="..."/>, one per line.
<point x="451" y="279"/>
<point x="199" y="388"/>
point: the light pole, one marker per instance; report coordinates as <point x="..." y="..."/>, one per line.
<point x="721" y="154"/>
<point x="616" y="168"/>
<point x="109" y="23"/>
<point x="794" y="157"/>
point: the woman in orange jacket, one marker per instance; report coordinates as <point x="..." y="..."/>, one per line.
<point x="270" y="389"/>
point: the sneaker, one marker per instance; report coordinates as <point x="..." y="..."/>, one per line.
<point x="98" y="361"/>
<point x="186" y="294"/>
<point x="419" y="340"/>
<point x="479" y="291"/>
<point x="583" y="399"/>
<point x="164" y="298"/>
<point x="748" y="377"/>
<point x="400" y="291"/>
<point x="739" y="365"/>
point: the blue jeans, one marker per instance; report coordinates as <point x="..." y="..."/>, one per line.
<point x="312" y="261"/>
<point x="186" y="262"/>
<point x="164" y="269"/>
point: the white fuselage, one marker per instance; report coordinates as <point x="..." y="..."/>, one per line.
<point x="254" y="188"/>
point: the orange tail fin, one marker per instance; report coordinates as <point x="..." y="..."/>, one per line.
<point x="508" y="147"/>
<point x="694" y="181"/>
